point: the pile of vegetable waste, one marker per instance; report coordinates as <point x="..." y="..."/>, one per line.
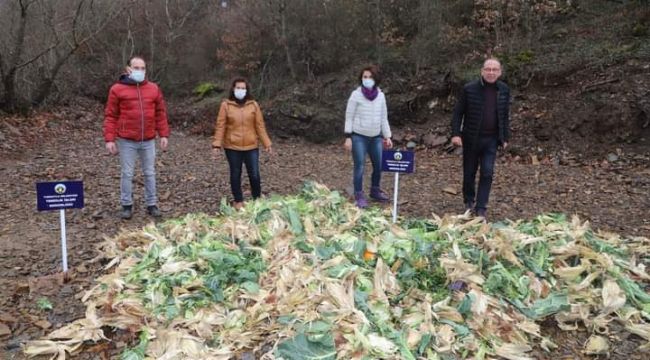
<point x="312" y="277"/>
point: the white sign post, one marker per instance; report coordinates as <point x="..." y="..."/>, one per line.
<point x="64" y="245"/>
<point x="395" y="192"/>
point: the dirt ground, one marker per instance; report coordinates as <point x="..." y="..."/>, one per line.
<point x="612" y="195"/>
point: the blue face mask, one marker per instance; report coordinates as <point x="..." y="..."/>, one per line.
<point x="240" y="94"/>
<point x="368" y="83"/>
<point x="137" y="75"/>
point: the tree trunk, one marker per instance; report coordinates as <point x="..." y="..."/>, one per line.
<point x="284" y="40"/>
<point x="11" y="100"/>
<point x="45" y="87"/>
<point x="378" y="29"/>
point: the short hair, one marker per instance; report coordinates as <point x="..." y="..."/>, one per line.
<point x="492" y="59"/>
<point x="240" y="79"/>
<point x="374" y="70"/>
<point x="128" y="63"/>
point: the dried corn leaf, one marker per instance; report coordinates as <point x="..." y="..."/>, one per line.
<point x="596" y="345"/>
<point x="514" y="351"/>
<point x="613" y="297"/>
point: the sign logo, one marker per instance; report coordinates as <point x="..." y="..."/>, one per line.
<point x="398" y="161"/>
<point x="60" y="189"/>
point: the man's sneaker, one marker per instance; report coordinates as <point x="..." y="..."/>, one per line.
<point x="377" y="194"/>
<point x="154" y="211"/>
<point x="127" y="212"/>
<point x="238" y="205"/>
<point x="360" y="200"/>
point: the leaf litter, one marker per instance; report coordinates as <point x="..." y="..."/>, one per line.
<point x="312" y="277"/>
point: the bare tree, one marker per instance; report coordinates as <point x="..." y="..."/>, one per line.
<point x="9" y="67"/>
<point x="56" y="31"/>
<point x="84" y="24"/>
<point x="279" y="8"/>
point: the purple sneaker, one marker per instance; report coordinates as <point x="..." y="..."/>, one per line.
<point x="360" y="200"/>
<point x="377" y="194"/>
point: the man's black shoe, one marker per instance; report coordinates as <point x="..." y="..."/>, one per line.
<point x="154" y="211"/>
<point x="127" y="212"/>
<point x="482" y="213"/>
<point x="469" y="207"/>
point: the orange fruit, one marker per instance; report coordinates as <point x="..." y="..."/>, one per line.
<point x="368" y="255"/>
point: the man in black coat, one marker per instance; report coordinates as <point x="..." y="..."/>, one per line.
<point x="480" y="125"/>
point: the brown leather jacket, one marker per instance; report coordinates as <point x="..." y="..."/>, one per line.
<point x="240" y="126"/>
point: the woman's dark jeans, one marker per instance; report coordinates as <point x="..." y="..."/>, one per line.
<point x="251" y="159"/>
<point x="372" y="146"/>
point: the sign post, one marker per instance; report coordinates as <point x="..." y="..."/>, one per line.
<point x="397" y="161"/>
<point x="395" y="191"/>
<point x="64" y="241"/>
<point x="59" y="196"/>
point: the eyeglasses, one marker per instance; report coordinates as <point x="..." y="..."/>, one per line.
<point x="494" y="70"/>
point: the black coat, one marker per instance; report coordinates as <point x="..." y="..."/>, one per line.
<point x="468" y="113"/>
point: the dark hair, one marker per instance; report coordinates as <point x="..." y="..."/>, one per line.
<point x="374" y="70"/>
<point x="128" y="63"/>
<point x="236" y="80"/>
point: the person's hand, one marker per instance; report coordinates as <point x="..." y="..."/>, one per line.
<point x="111" y="148"/>
<point x="388" y="143"/>
<point x="348" y="144"/>
<point x="504" y="145"/>
<point x="457" y="141"/>
<point x="216" y="153"/>
<point x="269" y="150"/>
<point x="164" y="143"/>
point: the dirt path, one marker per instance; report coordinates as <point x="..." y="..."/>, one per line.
<point x="613" y="197"/>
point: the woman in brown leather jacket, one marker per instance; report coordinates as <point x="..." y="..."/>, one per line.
<point x="240" y="128"/>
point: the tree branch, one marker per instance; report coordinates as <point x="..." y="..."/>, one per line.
<point x="187" y="14"/>
<point x="78" y="43"/>
<point x="38" y="56"/>
<point x="45" y="86"/>
<point x="169" y="17"/>
<point x="20" y="37"/>
<point x="75" y="20"/>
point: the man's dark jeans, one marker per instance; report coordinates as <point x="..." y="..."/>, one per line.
<point x="251" y="159"/>
<point x="483" y="154"/>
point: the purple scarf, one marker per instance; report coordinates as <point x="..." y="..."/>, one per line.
<point x="370" y="94"/>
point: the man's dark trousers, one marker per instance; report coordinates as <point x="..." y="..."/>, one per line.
<point x="484" y="153"/>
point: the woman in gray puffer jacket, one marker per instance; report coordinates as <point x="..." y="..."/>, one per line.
<point x="367" y="131"/>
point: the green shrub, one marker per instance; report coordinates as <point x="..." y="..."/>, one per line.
<point x="205" y="89"/>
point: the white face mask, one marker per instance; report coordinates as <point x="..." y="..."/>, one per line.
<point x="137" y="75"/>
<point x="368" y="83"/>
<point x="240" y="94"/>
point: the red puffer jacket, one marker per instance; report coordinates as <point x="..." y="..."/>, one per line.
<point x="135" y="111"/>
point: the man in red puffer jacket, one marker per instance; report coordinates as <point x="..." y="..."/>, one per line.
<point x="135" y="112"/>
